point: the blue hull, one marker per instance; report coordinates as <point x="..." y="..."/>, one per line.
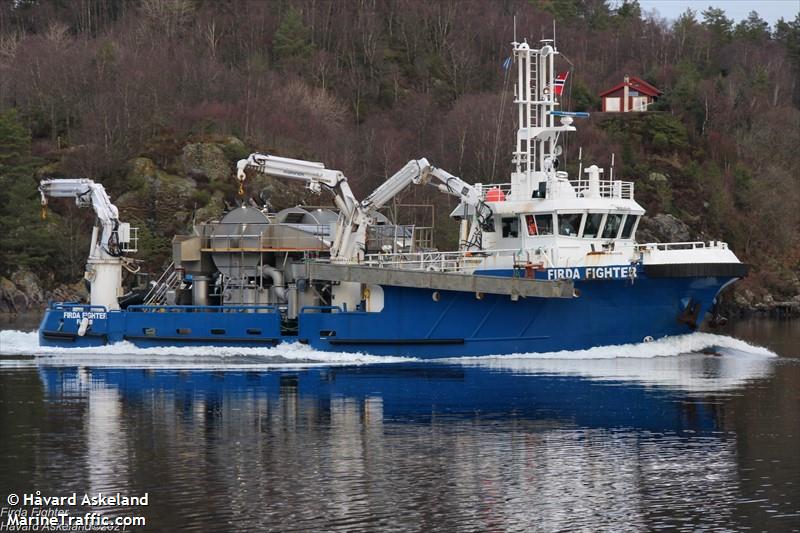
<point x="607" y="312"/>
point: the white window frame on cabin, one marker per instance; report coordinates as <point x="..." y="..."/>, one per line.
<point x="509" y="242"/>
<point x="557" y="227"/>
<point x="618" y="103"/>
<point x="603" y="215"/>
<point x="633" y="229"/>
<point x="553" y="222"/>
<point x="619" y="229"/>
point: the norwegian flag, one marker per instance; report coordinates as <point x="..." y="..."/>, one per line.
<point x="560" y="81"/>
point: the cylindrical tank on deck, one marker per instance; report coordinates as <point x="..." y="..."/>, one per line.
<point x="236" y="242"/>
<point x="200" y="290"/>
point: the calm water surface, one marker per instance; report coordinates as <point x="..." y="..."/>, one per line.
<point x="688" y="441"/>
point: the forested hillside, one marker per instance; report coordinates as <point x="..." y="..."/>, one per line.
<point x="157" y="99"/>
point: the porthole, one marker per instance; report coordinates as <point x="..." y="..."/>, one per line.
<point x="436" y="296"/>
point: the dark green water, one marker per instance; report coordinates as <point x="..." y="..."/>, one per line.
<point x="590" y="443"/>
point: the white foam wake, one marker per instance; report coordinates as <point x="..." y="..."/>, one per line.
<point x="26" y="343"/>
<point x="124" y="354"/>
<point x="668" y="346"/>
<point x="649" y="364"/>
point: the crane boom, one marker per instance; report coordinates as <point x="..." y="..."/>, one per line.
<point x="86" y="193"/>
<point x="105" y="261"/>
<point x="315" y="175"/>
<point x="467" y="193"/>
<point x="355" y="217"/>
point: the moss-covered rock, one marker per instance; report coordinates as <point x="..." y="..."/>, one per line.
<point x="140" y="170"/>
<point x="160" y="201"/>
<point x="206" y="162"/>
<point x="279" y="194"/>
<point x="211" y="210"/>
<point x="233" y="148"/>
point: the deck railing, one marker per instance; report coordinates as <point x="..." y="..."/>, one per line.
<point x="503" y="188"/>
<point x="202" y="309"/>
<point x="435" y="261"/>
<point x="258" y="237"/>
<point x="607" y="188"/>
<point x="690" y="245"/>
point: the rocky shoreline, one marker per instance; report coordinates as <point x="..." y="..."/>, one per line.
<point x="23" y="292"/>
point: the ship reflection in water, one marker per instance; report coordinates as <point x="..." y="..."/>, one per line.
<point x="497" y="444"/>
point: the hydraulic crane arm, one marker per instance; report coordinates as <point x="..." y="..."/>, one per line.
<point x="420" y="171"/>
<point x="355" y="217"/>
<point x="412" y="172"/>
<point x="105" y="262"/>
<point x="344" y="247"/>
<point x="88" y="194"/>
<point x="467" y="193"/>
<point x="315" y="175"/>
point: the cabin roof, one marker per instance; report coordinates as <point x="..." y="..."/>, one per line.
<point x="634" y="83"/>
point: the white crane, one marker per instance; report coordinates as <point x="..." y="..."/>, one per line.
<point x="110" y="237"/>
<point x="355" y="217"/>
<point x="345" y="246"/>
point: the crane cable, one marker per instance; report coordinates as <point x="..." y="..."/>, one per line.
<point x="241" y="184"/>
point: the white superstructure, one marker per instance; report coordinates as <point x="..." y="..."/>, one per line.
<point x="544" y="217"/>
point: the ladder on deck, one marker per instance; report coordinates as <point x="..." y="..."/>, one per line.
<point x="169" y="280"/>
<point x="533" y="110"/>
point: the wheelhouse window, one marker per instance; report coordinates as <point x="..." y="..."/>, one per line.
<point x="569" y="224"/>
<point x="591" y="230"/>
<point x="613" y="221"/>
<point x="510" y="227"/>
<point x="627" y="228"/>
<point x="530" y="223"/>
<point x="539" y="224"/>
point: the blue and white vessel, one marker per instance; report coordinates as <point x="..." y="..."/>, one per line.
<point x="545" y="263"/>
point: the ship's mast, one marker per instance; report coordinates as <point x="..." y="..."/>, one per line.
<point x="535" y="154"/>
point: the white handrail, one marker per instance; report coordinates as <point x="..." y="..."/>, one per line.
<point x="688" y="245"/>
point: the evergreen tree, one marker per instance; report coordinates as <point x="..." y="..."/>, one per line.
<point x="291" y="41"/>
<point x="718" y="24"/>
<point x="630" y="9"/>
<point x="788" y="33"/>
<point x="753" y="28"/>
<point x="25" y="240"/>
